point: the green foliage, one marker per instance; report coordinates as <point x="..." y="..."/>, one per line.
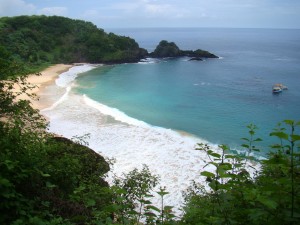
<point x="236" y="197"/>
<point x="133" y="193"/>
<point x="40" y="174"/>
<point x="38" y="40"/>
<point x="8" y="65"/>
<point x="132" y="201"/>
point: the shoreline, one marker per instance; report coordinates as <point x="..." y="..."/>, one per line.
<point x="47" y="77"/>
<point x="170" y="154"/>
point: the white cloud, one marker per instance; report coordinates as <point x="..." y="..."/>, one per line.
<point x="149" y="8"/>
<point x="128" y="7"/>
<point x="16" y="8"/>
<point x="50" y="11"/>
<point x="158" y="9"/>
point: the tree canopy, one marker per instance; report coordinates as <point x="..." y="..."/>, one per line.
<point x="52" y="39"/>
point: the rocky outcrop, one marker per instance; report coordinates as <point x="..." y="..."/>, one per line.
<point x="196" y="59"/>
<point x="170" y="49"/>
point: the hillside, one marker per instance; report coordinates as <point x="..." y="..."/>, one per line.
<point x="38" y="39"/>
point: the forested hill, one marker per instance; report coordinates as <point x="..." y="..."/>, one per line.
<point x="54" y="39"/>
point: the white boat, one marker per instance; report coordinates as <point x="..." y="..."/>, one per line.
<point x="277" y="88"/>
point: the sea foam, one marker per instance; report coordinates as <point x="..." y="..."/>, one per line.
<point x="69" y="76"/>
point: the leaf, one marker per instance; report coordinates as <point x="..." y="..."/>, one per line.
<point x="45" y="174"/>
<point x="162" y="193"/>
<point x="295" y="137"/>
<point x="168" y="208"/>
<point x="120" y="199"/>
<point x="226" y="166"/>
<point x="268" y="202"/>
<point x="289" y="122"/>
<point x="90" y="202"/>
<point x="79" y="189"/>
<point x="216" y="155"/>
<point x="258" y="139"/>
<point x="280" y="135"/>
<point x="9" y="164"/>
<point x="5" y="183"/>
<point x="153" y="208"/>
<point x="213" y="185"/>
<point x="224" y="147"/>
<point x="50" y="185"/>
<point x="132" y="212"/>
<point x="207" y="174"/>
<point x="149" y="214"/>
<point x="145" y="201"/>
<point x="149" y="196"/>
<point x="121" y="191"/>
<point x="245" y="139"/>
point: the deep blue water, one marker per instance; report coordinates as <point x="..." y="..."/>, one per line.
<point x="213" y="99"/>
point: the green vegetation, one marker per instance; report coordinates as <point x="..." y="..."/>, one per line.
<point x="170" y="49"/>
<point x="36" y="40"/>
<point x="269" y="196"/>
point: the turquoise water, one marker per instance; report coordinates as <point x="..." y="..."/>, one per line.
<point x="213" y="99"/>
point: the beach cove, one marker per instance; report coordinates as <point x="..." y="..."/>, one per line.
<point x="168" y="153"/>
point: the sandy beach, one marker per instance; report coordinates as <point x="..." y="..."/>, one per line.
<point x="46" y="78"/>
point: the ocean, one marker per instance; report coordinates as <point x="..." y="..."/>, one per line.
<point x="155" y="112"/>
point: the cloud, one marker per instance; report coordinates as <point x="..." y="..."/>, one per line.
<point x="16" y="8"/>
<point x="163" y="10"/>
<point x="50" y="11"/>
<point x="150" y="8"/>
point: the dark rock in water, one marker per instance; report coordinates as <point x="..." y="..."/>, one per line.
<point x="166" y="49"/>
<point x="196" y="59"/>
<point x="199" y="54"/>
<point x="170" y="49"/>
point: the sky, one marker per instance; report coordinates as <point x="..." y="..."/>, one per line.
<point x="165" y="13"/>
